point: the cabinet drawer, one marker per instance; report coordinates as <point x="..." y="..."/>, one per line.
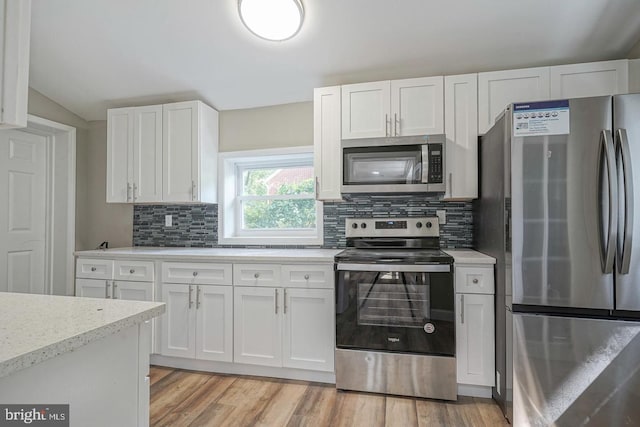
<point x="134" y="271"/>
<point x="308" y="276"/>
<point x="94" y="268"/>
<point x="474" y="279"/>
<point x="256" y="274"/>
<point x="197" y="273"/>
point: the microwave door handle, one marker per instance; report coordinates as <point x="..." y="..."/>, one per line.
<point x="425" y="164"/>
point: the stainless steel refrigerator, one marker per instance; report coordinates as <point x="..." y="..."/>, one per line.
<point x="559" y="209"/>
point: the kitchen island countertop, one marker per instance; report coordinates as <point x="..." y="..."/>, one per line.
<point x="35" y="328"/>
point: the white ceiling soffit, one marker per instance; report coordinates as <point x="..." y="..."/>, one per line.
<point x="89" y="55"/>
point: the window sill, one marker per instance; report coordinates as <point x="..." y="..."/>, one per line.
<point x="271" y="240"/>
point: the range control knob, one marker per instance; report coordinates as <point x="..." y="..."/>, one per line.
<point x="354" y="225"/>
<point x="428" y="224"/>
<point x="418" y="224"/>
<point x="363" y="225"/>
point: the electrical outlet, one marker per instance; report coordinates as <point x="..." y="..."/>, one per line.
<point x="168" y="221"/>
<point x="498" y="382"/>
<point x="442" y="216"/>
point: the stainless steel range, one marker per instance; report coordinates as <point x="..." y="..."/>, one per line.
<point x="395" y="322"/>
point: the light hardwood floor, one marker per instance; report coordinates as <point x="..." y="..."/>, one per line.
<point x="188" y="398"/>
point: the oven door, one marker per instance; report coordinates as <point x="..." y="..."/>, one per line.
<point x="396" y="308"/>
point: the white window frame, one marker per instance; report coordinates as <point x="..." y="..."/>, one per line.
<point x="231" y="165"/>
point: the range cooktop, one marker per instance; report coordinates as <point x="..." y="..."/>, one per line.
<point x="394" y="256"/>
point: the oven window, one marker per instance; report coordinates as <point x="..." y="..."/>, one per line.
<point x="394" y="299"/>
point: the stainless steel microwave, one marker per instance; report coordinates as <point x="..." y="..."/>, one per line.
<point x="394" y="165"/>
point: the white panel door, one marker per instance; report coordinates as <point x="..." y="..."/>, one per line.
<point x="475" y="339"/>
<point x="590" y="79"/>
<point x="461" y="129"/>
<point x="147" y="154"/>
<point x="23" y="196"/>
<point x="257" y="325"/>
<point x="309" y="332"/>
<point x="180" y="152"/>
<point x="497" y="89"/>
<point x="119" y="155"/>
<point x="366" y="110"/>
<point x="133" y="291"/>
<point x="417" y="106"/>
<point x="178" y="322"/>
<point x="327" y="160"/>
<point x="92" y="288"/>
<point x="214" y="323"/>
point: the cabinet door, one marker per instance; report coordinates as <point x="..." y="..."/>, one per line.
<point x="119" y="155"/>
<point x="132" y="291"/>
<point x="180" y="151"/>
<point x="309" y="332"/>
<point x="497" y="89"/>
<point x="591" y="79"/>
<point x="92" y="288"/>
<point x="417" y="106"/>
<point x="634" y="75"/>
<point x="475" y="339"/>
<point x="178" y="322"/>
<point x="147" y="154"/>
<point x="461" y="129"/>
<point x="15" y="30"/>
<point x="366" y="110"/>
<point x="214" y="323"/>
<point x="257" y="326"/>
<point x="327" y="160"/>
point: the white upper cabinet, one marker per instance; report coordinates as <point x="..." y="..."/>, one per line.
<point x="393" y="108"/>
<point x="417" y="106"/>
<point x="15" y="24"/>
<point x="365" y="110"/>
<point x="591" y="79"/>
<point x="461" y="129"/>
<point x="327" y="160"/>
<point x="162" y="153"/>
<point x="134" y="154"/>
<point x="497" y="89"/>
<point x="190" y="152"/>
<point x="634" y="75"/>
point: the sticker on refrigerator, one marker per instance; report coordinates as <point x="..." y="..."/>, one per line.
<point x="541" y="118"/>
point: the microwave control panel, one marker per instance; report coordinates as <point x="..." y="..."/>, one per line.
<point x="436" y="161"/>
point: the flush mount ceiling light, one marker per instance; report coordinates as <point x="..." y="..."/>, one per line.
<point x="274" y="20"/>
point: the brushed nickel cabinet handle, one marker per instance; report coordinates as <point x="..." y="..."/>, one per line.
<point x="114" y="295"/>
<point x="475" y="281"/>
<point x="128" y="191"/>
<point x="285" y="301"/>
<point x="396" y="124"/>
<point x="306" y="277"/>
<point x="193" y="190"/>
<point x="106" y="289"/>
<point x="93" y="269"/>
<point x="198" y="297"/>
<point x="132" y="271"/>
<point x="190" y="296"/>
<point x="135" y="187"/>
<point x="462" y="309"/>
<point x="386" y="125"/>
<point x="276" y="300"/>
<point x="195" y="273"/>
<point x="256" y="275"/>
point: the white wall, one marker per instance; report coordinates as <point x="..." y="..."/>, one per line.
<point x="288" y="125"/>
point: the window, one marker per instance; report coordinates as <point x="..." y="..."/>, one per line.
<point x="268" y="197"/>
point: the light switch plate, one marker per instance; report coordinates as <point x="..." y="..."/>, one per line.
<point x="442" y="216"/>
<point x="168" y="221"/>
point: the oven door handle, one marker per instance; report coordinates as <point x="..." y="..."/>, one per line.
<point x="414" y="268"/>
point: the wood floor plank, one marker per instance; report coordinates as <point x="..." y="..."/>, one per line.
<point x="185" y="398"/>
<point x="173" y="389"/>
<point x="190" y="409"/>
<point x="358" y="410"/>
<point x="400" y="412"/>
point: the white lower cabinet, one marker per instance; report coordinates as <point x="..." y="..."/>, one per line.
<point x="93" y="288"/>
<point x="115" y="289"/>
<point x="475" y="339"/>
<point x="198" y="321"/>
<point x="284" y="327"/>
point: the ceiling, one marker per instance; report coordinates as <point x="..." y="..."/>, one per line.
<point x="96" y="54"/>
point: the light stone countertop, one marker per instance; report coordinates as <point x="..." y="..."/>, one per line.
<point x="216" y="254"/>
<point x="469" y="256"/>
<point x="34" y="328"/>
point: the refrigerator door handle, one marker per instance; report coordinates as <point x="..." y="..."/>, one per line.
<point x="625" y="235"/>
<point x="608" y="255"/>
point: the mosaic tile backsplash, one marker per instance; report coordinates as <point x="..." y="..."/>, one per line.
<point x="197" y="225"/>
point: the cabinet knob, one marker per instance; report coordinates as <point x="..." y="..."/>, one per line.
<point x="132" y="271"/>
<point x="306" y="277"/>
<point x="256" y="275"/>
<point x="93" y="269"/>
<point x="475" y="281"/>
<point x="195" y="273"/>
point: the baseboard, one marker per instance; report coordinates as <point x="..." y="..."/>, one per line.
<point x="243" y="369"/>
<point x="474" y="390"/>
